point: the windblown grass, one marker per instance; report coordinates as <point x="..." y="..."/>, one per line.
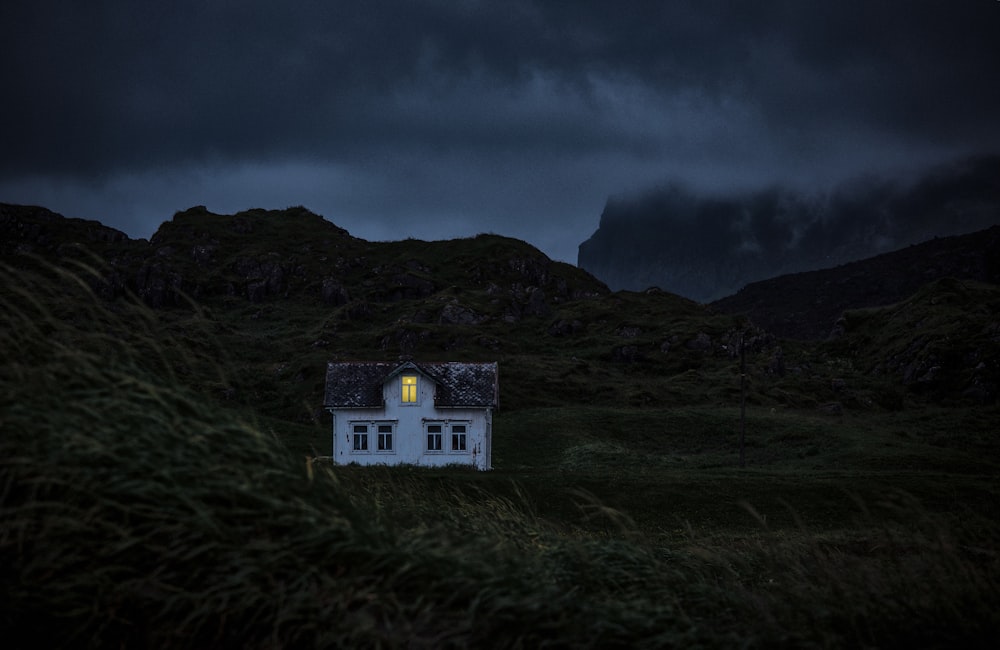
<point x="135" y="511"/>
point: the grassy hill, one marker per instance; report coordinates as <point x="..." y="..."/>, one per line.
<point x="160" y="486"/>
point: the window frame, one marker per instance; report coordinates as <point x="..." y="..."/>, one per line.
<point x="428" y="447"/>
<point x="363" y="436"/>
<point x="453" y="437"/>
<point x="381" y="437"/>
<point x="409" y="392"/>
<point x="359" y="438"/>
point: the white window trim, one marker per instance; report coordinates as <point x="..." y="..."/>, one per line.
<point x="428" y="434"/>
<point x="372" y="433"/>
<point x="466" y="433"/>
<point x="416" y="389"/>
<point x="392" y="437"/>
<point x="354" y="433"/>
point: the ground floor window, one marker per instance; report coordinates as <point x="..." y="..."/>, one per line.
<point x="434" y="436"/>
<point x="360" y="437"/>
<point x="385" y="437"/>
<point x="458" y="437"/>
<point x="447" y="436"/>
<point x="382" y="432"/>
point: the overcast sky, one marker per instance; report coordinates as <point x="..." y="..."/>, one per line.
<point x="443" y="118"/>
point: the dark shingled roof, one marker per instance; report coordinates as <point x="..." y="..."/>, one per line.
<point x="358" y="384"/>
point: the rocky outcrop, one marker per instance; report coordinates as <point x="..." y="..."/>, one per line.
<point x="33" y="229"/>
<point x="159" y="285"/>
<point x="455" y="314"/>
<point x="262" y="256"/>
<point x="265" y="277"/>
<point x="334" y="293"/>
<point x="942" y="341"/>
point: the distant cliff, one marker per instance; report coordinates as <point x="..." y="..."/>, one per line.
<point x="706" y="247"/>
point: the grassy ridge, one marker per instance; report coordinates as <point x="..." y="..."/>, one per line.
<point x="140" y="508"/>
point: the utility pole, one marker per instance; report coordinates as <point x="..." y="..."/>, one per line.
<point x="743" y="399"/>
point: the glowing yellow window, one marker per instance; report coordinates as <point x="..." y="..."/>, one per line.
<point x="409" y="388"/>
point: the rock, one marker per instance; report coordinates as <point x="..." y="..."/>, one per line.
<point x="334" y="293"/>
<point x="422" y="316"/>
<point x="533" y="271"/>
<point x="263" y="278"/>
<point x="158" y="284"/>
<point x="628" y="331"/>
<point x="536" y="305"/>
<point x="455" y="314"/>
<point x="930" y="375"/>
<point x="204" y="254"/>
<point x="407" y="286"/>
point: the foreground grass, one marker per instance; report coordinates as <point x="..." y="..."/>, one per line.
<point x="135" y="512"/>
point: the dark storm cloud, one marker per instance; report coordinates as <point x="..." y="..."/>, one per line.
<point x="459" y="108"/>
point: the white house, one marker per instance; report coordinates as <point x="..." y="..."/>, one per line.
<point x="412" y="412"/>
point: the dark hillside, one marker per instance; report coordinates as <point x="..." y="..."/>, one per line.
<point x="263" y="255"/>
<point x="807" y="305"/>
<point x="281" y="292"/>
<point x="943" y="340"/>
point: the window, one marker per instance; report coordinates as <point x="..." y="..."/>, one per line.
<point x="360" y="437"/>
<point x="458" y="437"/>
<point x="384" y="434"/>
<point x="434" y="437"/>
<point x="384" y="440"/>
<point x="409" y="389"/>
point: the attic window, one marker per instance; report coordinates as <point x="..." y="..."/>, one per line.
<point x="409" y="389"/>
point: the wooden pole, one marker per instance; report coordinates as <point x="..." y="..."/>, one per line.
<point x="743" y="399"/>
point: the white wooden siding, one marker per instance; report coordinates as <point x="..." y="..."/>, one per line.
<point x="410" y="436"/>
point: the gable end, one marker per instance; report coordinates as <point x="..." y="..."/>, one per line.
<point x="359" y="384"/>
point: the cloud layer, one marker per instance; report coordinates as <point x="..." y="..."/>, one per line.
<point x="706" y="246"/>
<point x="443" y="118"/>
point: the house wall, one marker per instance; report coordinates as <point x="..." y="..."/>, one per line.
<point x="410" y="429"/>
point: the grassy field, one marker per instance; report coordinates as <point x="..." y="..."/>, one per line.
<point x="144" y="501"/>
